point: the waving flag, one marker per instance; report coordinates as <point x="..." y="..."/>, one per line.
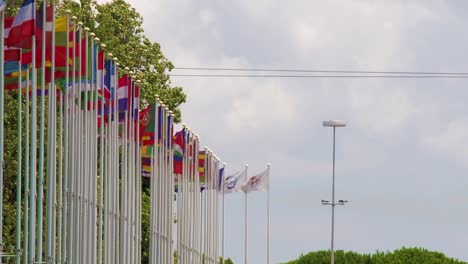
<point x="122" y="94"/>
<point x="179" y="149"/>
<point x="201" y="164"/>
<point x="258" y="182"/>
<point x="11" y="54"/>
<point x="233" y="183"/>
<point x="22" y="30"/>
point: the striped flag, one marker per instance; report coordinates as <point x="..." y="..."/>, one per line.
<point x="11" y="53"/>
<point x="122" y="94"/>
<point x="22" y="30"/>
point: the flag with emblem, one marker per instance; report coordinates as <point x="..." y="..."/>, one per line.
<point x="257" y="182"/>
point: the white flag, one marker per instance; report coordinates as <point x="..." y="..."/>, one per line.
<point x="233" y="182"/>
<point x="258" y="182"/>
<point x="2" y="5"/>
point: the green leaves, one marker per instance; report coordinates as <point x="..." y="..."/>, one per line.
<point x="400" y="256"/>
<point x="120" y="27"/>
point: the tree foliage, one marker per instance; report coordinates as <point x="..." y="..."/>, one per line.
<point x="400" y="256"/>
<point x="120" y="27"/>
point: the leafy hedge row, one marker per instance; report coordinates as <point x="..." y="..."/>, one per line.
<point x="400" y="256"/>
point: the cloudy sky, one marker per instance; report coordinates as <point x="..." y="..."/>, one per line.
<point x="402" y="161"/>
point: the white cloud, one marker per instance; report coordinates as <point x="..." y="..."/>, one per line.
<point x="452" y="141"/>
<point x="381" y="110"/>
<point x="263" y="108"/>
<point x="394" y="125"/>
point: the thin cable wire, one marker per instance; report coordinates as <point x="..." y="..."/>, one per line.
<point x="319" y="71"/>
<point x="324" y="76"/>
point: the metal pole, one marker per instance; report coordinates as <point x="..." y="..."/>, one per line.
<point x="245" y="224"/>
<point x="332" y="258"/>
<point x="40" y="194"/>
<point x="222" y="230"/>
<point x="268" y="221"/>
<point x="18" y="176"/>
<point x="2" y="84"/>
<point x="26" y="174"/>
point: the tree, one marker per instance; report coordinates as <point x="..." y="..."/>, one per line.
<point x="120" y="27"/>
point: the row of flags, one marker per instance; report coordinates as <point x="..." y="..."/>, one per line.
<point x="99" y="145"/>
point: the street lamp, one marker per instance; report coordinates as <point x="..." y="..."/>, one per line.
<point x="334" y="124"/>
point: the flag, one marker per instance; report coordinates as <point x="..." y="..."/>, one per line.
<point x="220" y="176"/>
<point x="136" y="102"/>
<point x="23" y="27"/>
<point x="258" y="182"/>
<point x="11" y="53"/>
<point x="122" y="94"/>
<point x="146" y="154"/>
<point x="108" y="85"/>
<point x="179" y="149"/>
<point x="201" y="164"/>
<point x="148" y="126"/>
<point x="233" y="183"/>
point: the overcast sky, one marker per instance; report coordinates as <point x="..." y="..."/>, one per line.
<point x="403" y="158"/>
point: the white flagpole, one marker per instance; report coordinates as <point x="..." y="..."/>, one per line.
<point x="268" y="213"/>
<point x="222" y="229"/>
<point x="65" y="172"/>
<point x="94" y="123"/>
<point x="40" y="195"/>
<point x="18" y="175"/>
<point x="51" y="145"/>
<point x="245" y="223"/>
<point x="2" y="110"/>
<point x="33" y="163"/>
<point x="79" y="163"/>
<point x="115" y="175"/>
<point x="102" y="142"/>
<point x="116" y="190"/>
<point x="170" y="191"/>
<point x="72" y="151"/>
<point x="26" y="175"/>
<point x="2" y="99"/>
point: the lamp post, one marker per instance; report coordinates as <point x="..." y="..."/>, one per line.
<point x="334" y="124"/>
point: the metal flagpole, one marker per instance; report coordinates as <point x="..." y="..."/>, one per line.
<point x="65" y="171"/>
<point x="40" y="197"/>
<point x="51" y="149"/>
<point x="170" y="190"/>
<point x="79" y="168"/>
<point x="268" y="213"/>
<point x="2" y="105"/>
<point x="95" y="172"/>
<point x="245" y="223"/>
<point x="18" y="175"/>
<point x="116" y="186"/>
<point x="71" y="194"/>
<point x="32" y="170"/>
<point x="26" y="174"/>
<point x="86" y="157"/>
<point x="63" y="178"/>
<point x="138" y="181"/>
<point x="164" y="183"/>
<point x="102" y="138"/>
<point x="222" y="229"/>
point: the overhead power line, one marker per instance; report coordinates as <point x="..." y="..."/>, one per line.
<point x="318" y="71"/>
<point x="324" y="76"/>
